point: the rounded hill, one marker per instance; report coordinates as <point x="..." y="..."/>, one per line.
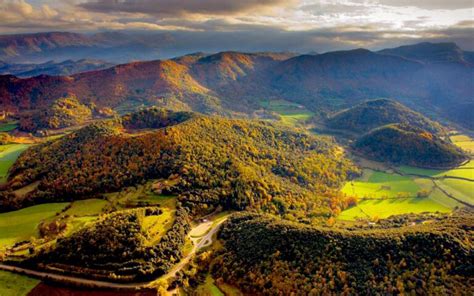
<point x="375" y="113"/>
<point x="213" y="161"/>
<point x="402" y="144"/>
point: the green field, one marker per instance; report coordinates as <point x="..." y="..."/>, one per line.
<point x="384" y="194"/>
<point x="441" y="198"/>
<point x="158" y="225"/>
<point x="374" y="184"/>
<point x="208" y="288"/>
<point x="12" y="284"/>
<point x="87" y="207"/>
<point x="8" y="155"/>
<point x="291" y="113"/>
<point x="464" y="142"/>
<point x="464" y="171"/>
<point x="8" y="126"/>
<point x="22" y="225"/>
<point x="388" y="207"/>
<point x="463" y="190"/>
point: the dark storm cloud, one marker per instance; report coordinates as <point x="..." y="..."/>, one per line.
<point x="430" y="4"/>
<point x="180" y="7"/>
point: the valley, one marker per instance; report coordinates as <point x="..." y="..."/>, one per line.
<point x="238" y="174"/>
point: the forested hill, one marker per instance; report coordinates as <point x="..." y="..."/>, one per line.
<point x="235" y="83"/>
<point x="375" y="113"/>
<point x="404" y="144"/>
<point x="237" y="164"/>
<point x="268" y="256"/>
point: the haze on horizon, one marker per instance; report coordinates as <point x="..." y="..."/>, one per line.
<point x="254" y="25"/>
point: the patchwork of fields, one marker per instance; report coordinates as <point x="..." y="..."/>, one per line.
<point x="403" y="190"/>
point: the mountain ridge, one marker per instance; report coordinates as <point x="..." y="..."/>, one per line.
<point x="232" y="83"/>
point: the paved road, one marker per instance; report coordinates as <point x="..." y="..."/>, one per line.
<point x="199" y="243"/>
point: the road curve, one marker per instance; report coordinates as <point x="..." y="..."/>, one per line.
<point x="199" y="243"/>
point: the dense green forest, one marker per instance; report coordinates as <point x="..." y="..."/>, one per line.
<point x="375" y="113"/>
<point x="237" y="164"/>
<point x="403" y="144"/>
<point x="262" y="255"/>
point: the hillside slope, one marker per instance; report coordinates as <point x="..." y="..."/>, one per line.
<point x="371" y="114"/>
<point x="403" y="144"/>
<point x="232" y="83"/>
<point x="213" y="161"/>
<point x="433" y="53"/>
<point x="267" y="256"/>
<point x="118" y="247"/>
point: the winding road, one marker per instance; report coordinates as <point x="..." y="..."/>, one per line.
<point x="208" y="228"/>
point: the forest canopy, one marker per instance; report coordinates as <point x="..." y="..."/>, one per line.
<point x="403" y="144"/>
<point x="267" y="256"/>
<point x="237" y="164"/>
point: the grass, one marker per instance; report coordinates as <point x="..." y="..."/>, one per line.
<point x="87" y="207"/>
<point x="376" y="184"/>
<point x="464" y="142"/>
<point x="439" y="197"/>
<point x="383" y="194"/>
<point x="388" y="207"/>
<point x="291" y="113"/>
<point x="208" y="288"/>
<point x="8" y="126"/>
<point x="464" y="171"/>
<point x="21" y="225"/>
<point x="8" y="155"/>
<point x="463" y="190"/>
<point x="158" y="225"/>
<point x="78" y="223"/>
<point x="12" y="284"/>
<point x="229" y="290"/>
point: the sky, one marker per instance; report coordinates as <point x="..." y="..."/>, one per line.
<point x="272" y="24"/>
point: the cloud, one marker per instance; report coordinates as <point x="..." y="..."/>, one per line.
<point x="13" y="11"/>
<point x="217" y="25"/>
<point x="183" y="7"/>
<point x="430" y="4"/>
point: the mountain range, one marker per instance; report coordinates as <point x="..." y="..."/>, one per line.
<point x="59" y="46"/>
<point x="52" y="68"/>
<point x="430" y="78"/>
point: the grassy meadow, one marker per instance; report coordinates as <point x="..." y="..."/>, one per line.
<point x="208" y="288"/>
<point x="12" y="284"/>
<point x="464" y="142"/>
<point x="464" y="171"/>
<point x="383" y="194"/>
<point x="291" y="113"/>
<point x="22" y="225"/>
<point x="8" y="126"/>
<point x="375" y="184"/>
<point x="383" y="208"/>
<point x="87" y="207"/>
<point x="8" y="154"/>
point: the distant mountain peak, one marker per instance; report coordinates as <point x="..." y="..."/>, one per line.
<point x="428" y="52"/>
